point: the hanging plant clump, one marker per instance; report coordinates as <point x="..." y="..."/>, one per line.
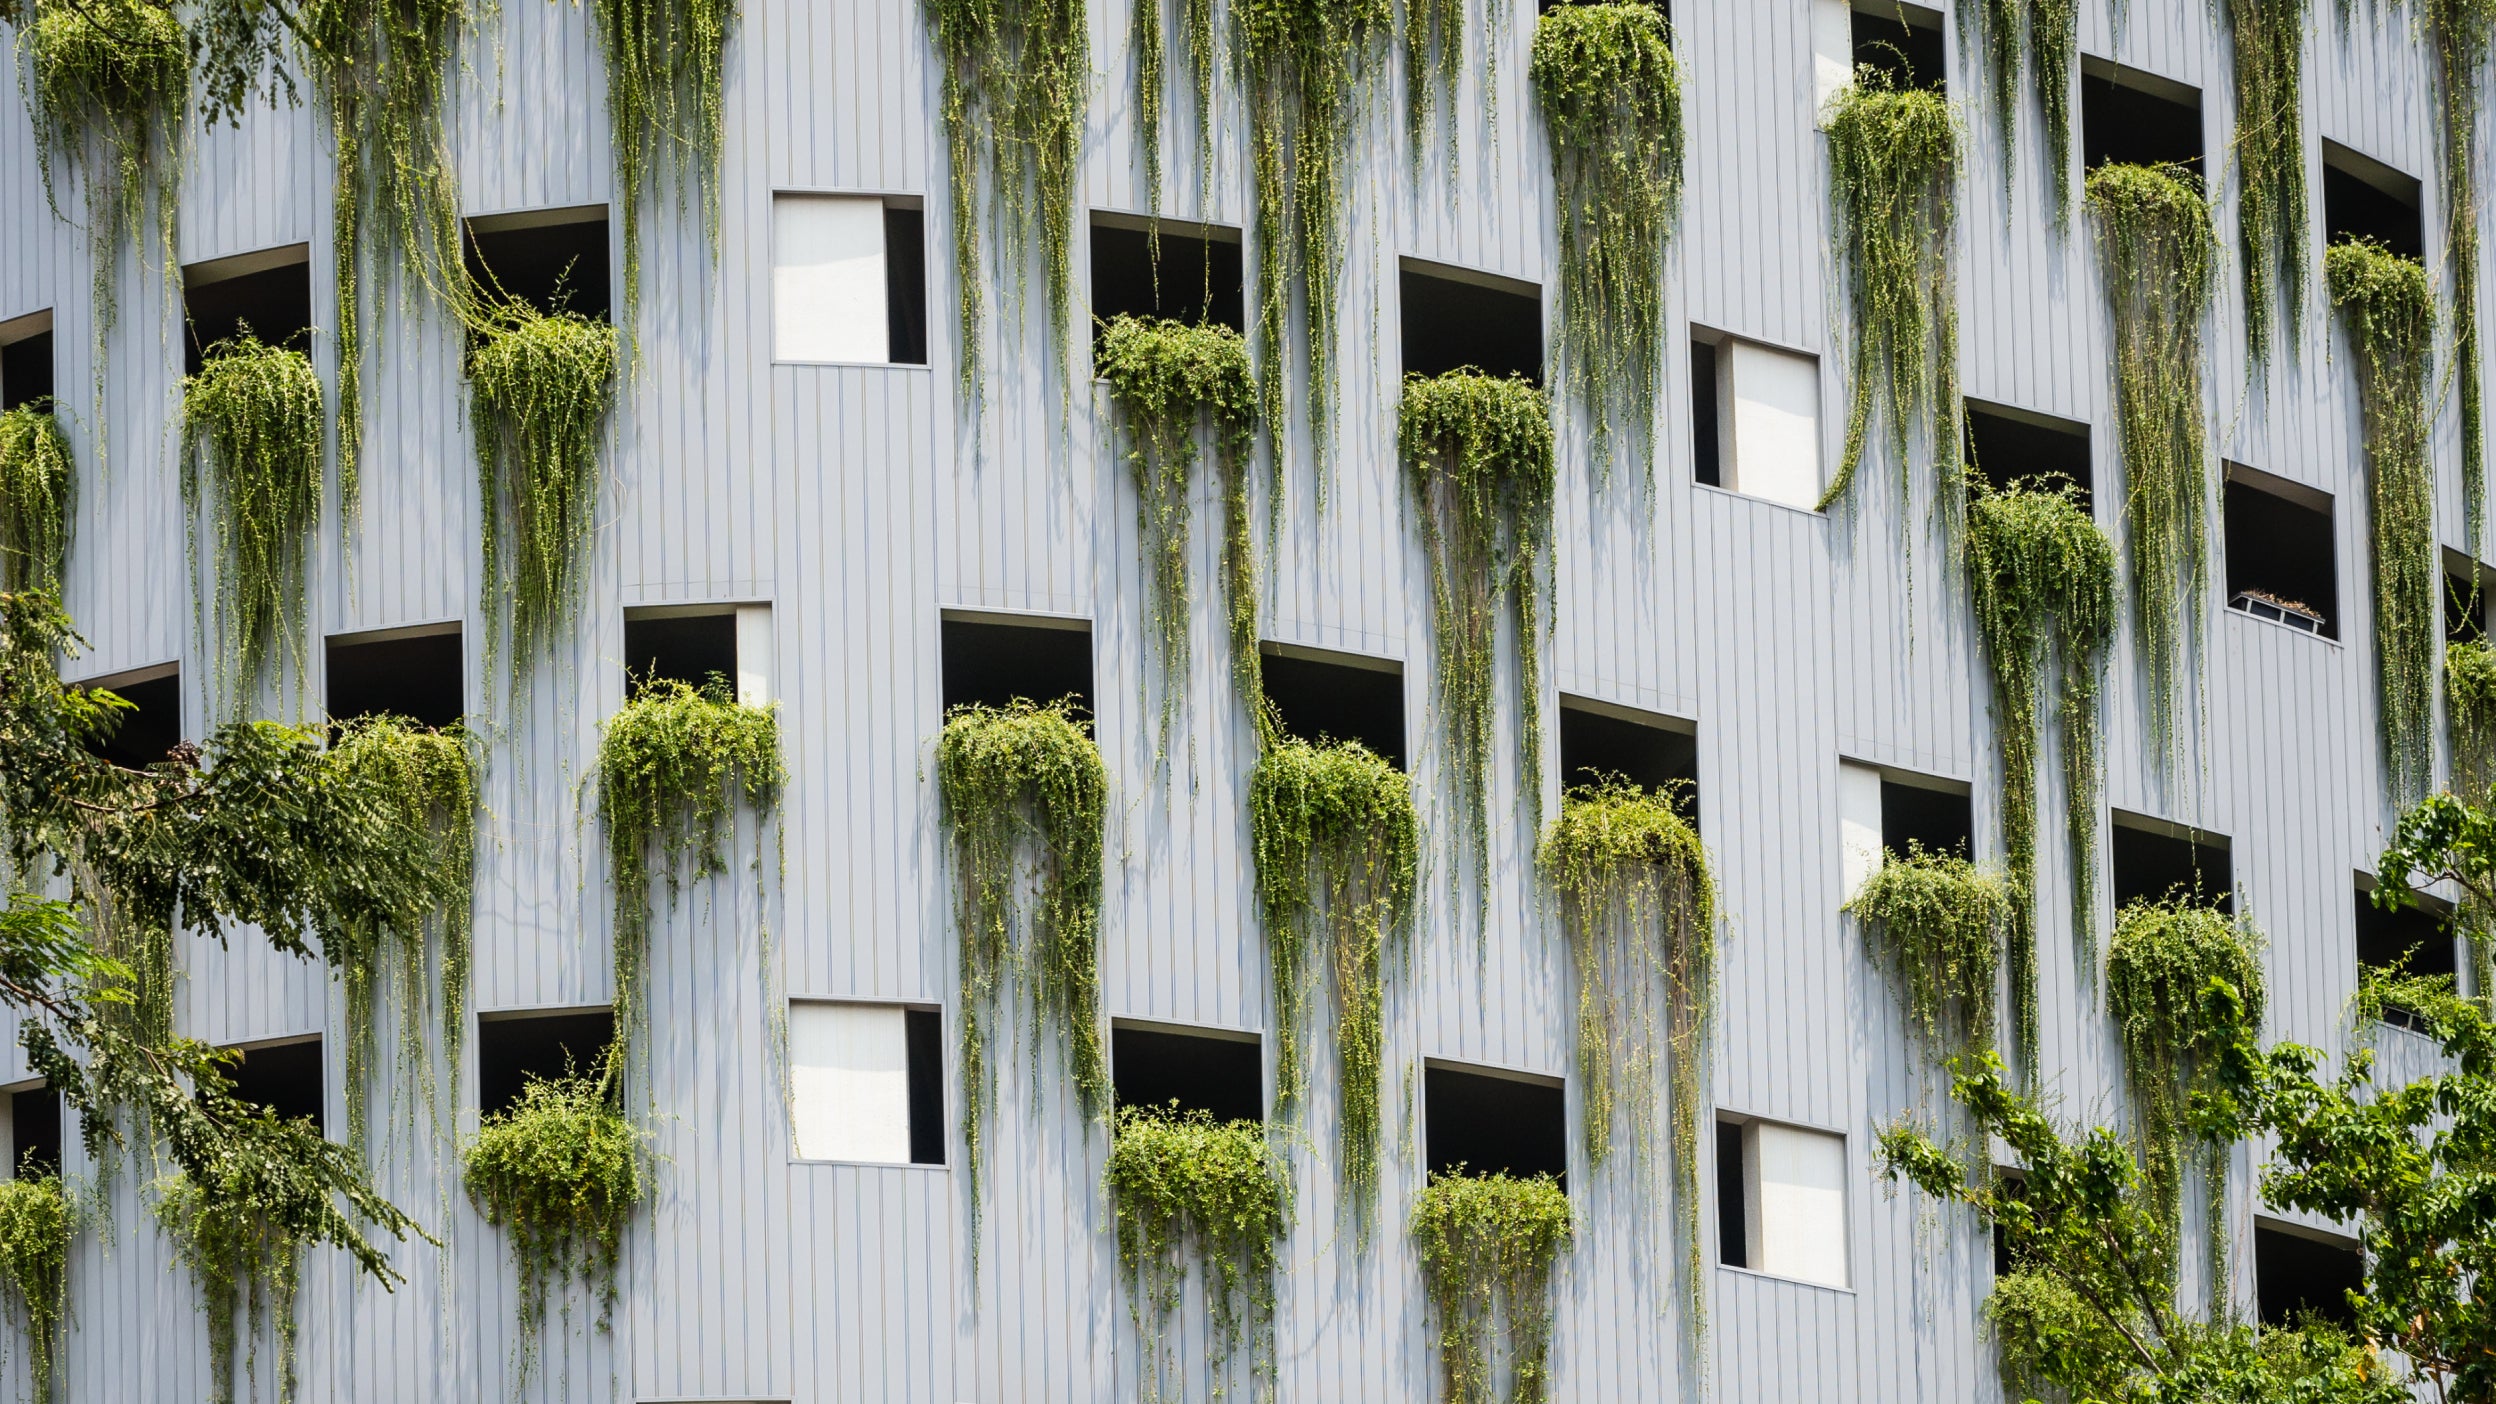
<point x="2268" y="37"/>
<point x="666" y="67"/>
<point x="37" y="1219"/>
<point x="2390" y="313"/>
<point x="1338" y="852"/>
<point x="1893" y="158"/>
<point x="2159" y="257"/>
<point x="1477" y="451"/>
<point x="2470" y="699"/>
<point x="1434" y="62"/>
<point x="1489" y="1245"/>
<point x="561" y="1171"/>
<point x="251" y="466"/>
<point x="2460" y="32"/>
<point x="1937" y="923"/>
<point x="38" y="496"/>
<point x="1992" y="29"/>
<point x="1017" y="75"/>
<point x="1187" y="1189"/>
<point x="539" y="388"/>
<point x="1018" y="782"/>
<point x="1638" y="908"/>
<point x="1611" y="98"/>
<point x="1151" y="67"/>
<point x="1167" y="378"/>
<point x="2041" y="581"/>
<point x="247" y="1264"/>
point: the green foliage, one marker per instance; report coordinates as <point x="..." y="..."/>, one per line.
<point x="1166" y="377"/>
<point x="1338" y="852"/>
<point x="561" y="1170"/>
<point x="1026" y="780"/>
<point x="539" y="388"/>
<point x="2041" y="581"/>
<point x="247" y="1264"/>
<point x="2054" y="49"/>
<point x="2460" y="32"/>
<point x="2470" y="700"/>
<point x="1303" y="65"/>
<point x="37" y="1219"/>
<point x="1016" y="79"/>
<point x="1939" y="923"/>
<point x="1638" y="908"/>
<point x="38" y="493"/>
<point x="1991" y="28"/>
<point x="1434" y="60"/>
<point x="1488" y="1246"/>
<point x="674" y="765"/>
<point x="1893" y="165"/>
<point x="2391" y="319"/>
<point x="2160" y="260"/>
<point x="251" y="439"/>
<point x="1187" y="1188"/>
<point x="666" y="63"/>
<point x="2268" y="37"/>
<point x="1203" y="45"/>
<point x="1477" y="451"/>
<point x="1611" y="97"/>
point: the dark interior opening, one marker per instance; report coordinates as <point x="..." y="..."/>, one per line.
<point x="2356" y="208"/>
<point x="417" y="677"/>
<point x="35" y="1132"/>
<point x="2152" y="867"/>
<point x="992" y="664"/>
<point x="1733" y="1234"/>
<point x="1937" y="821"/>
<point x="1449" y="325"/>
<point x="543" y="1046"/>
<point x="551" y="267"/>
<point x="905" y="285"/>
<point x="2279" y="560"/>
<point x="2009" y="450"/>
<point x="1907" y="51"/>
<point x="1320" y="701"/>
<point x="2411" y="941"/>
<point x="274" y="304"/>
<point x="1494" y="1125"/>
<point x="922" y="1032"/>
<point x="284" y="1077"/>
<point x="699" y="650"/>
<point x="1222" y="1077"/>
<point x="152" y="727"/>
<point x="2465" y="610"/>
<point x="26" y="370"/>
<point x="1197" y="279"/>
<point x="2011" y="1184"/>
<point x="1707" y="452"/>
<point x="2296" y="1276"/>
<point x="2122" y="122"/>
<point x="1596" y="746"/>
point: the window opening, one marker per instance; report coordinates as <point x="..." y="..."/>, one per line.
<point x="1901" y="41"/>
<point x="2465" y="605"/>
<point x="26" y="361"/>
<point x="553" y="260"/>
<point x="2365" y="199"/>
<point x="1493" y="1124"/>
<point x="2299" y="1273"/>
<point x="268" y="294"/>
<point x="2138" y="118"/>
<point x="152" y="726"/>
<point x="513" y="1048"/>
<point x="1220" y="1074"/>
<point x="1935" y="819"/>
<point x="1199" y="277"/>
<point x="866" y="1083"/>
<point x="991" y="663"/>
<point x="849" y="279"/>
<point x="283" y="1077"/>
<point x="1732" y="1215"/>
<point x="401" y="672"/>
<point x="2416" y="940"/>
<point x="1599" y="741"/>
<point x="1788" y="1184"/>
<point x="696" y="649"/>
<point x="1762" y="438"/>
<point x="2155" y="864"/>
<point x="2279" y="552"/>
<point x="1454" y="319"/>
<point x="1337" y="697"/>
<point x="2014" y="446"/>
<point x="35" y="1142"/>
<point x="1706" y="398"/>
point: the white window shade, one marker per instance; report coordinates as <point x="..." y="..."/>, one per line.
<point x="827" y="279"/>
<point x="850" y="1082"/>
<point x="1858" y="824"/>
<point x="1776" y="425"/>
<point x="754" y="655"/>
<point x="1798" y="1203"/>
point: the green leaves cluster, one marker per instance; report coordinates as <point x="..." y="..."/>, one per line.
<point x="38" y="495"/>
<point x="2268" y="37"/>
<point x="1187" y="1188"/>
<point x="561" y="1171"/>
<point x="1611" y="98"/>
<point x="1489" y="1244"/>
<point x="252" y="448"/>
<point x="37" y="1220"/>
<point x="666" y="66"/>
<point x="1025" y="781"/>
<point x="2052" y="29"/>
<point x="1477" y="452"/>
<point x="247" y="1263"/>
<point x="2160" y="260"/>
<point x="2470" y="700"/>
<point x="1939" y="923"/>
<point x="1893" y="168"/>
<point x="1338" y="852"/>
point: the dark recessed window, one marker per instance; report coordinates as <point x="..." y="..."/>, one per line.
<point x="2298" y="1275"/>
<point x="267" y="294"/>
<point x="152" y="725"/>
<point x="1197" y="278"/>
<point x="2366" y="199"/>
<point x="1937" y="821"/>
<point x="2412" y="941"/>
<point x="283" y="1077"/>
<point x="2013" y="447"/>
<point x="1222" y="1076"/>
<point x="992" y="664"/>
<point x="1451" y="323"/>
<point x="2012" y="1185"/>
<point x="1732" y="1214"/>
<point x="2131" y="117"/>
<point x="2465" y="609"/>
<point x="1707" y="449"/>
<point x="553" y="260"/>
<point x="905" y="284"/>
<point x="1325" y="701"/>
<point x="2152" y="866"/>
<point x="1603" y="745"/>
<point x="35" y="1132"/>
<point x="2279" y="556"/>
<point x="1488" y="1124"/>
<point x="512" y="1050"/>
<point x="417" y="676"/>
<point x="695" y="649"/>
<point x="1900" y="41"/>
<point x="26" y="369"/>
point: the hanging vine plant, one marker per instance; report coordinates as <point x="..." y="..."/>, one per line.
<point x="1204" y="45"/>
<point x="1489" y="1245"/>
<point x="251" y="461"/>
<point x="1016" y="78"/>
<point x="2160" y="260"/>
<point x="2041" y="581"/>
<point x="38" y="497"/>
<point x="1611" y="98"/>
<point x="1304" y="64"/>
<point x="2460" y="32"/>
<point x="1338" y="852"/>
<point x="1187" y="1189"/>
<point x="1477" y="451"/>
<point x="1992" y="29"/>
<point x="666" y="67"/>
<point x="1167" y="378"/>
<point x="539" y="388"/>
<point x="247" y="1265"/>
<point x="1938" y="923"/>
<point x="2390" y="313"/>
<point x="1638" y="909"/>
<point x="37" y="1220"/>
<point x="1021" y="781"/>
<point x="1893" y="158"/>
<point x="2268" y="37"/>
<point x="562" y="1171"/>
<point x="1434" y="61"/>
<point x="2470" y="698"/>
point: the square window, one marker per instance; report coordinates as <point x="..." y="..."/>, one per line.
<point x="1788" y="1185"/>
<point x="1899" y="40"/>
<point x="553" y="260"/>
<point x="35" y="1142"/>
<point x="268" y="294"/>
<point x="1322" y="696"/>
<point x="1198" y="277"/>
<point x="1599" y="741"/>
<point x="2279" y="553"/>
<point x="153" y="724"/>
<point x="2154" y="861"/>
<point x="2416" y="940"/>
<point x="2365" y="199"/>
<point x="1883" y="811"/>
<point x="698" y="650"/>
<point x="2011" y="446"/>
<point x="514" y="1048"/>
<point x="1219" y="1073"/>
<point x="283" y="1077"/>
<point x="2138" y="118"/>
<point x="1490" y="1123"/>
<point x="990" y="661"/>
<point x="25" y="360"/>
<point x="1454" y="318"/>
<point x="866" y="1083"/>
<point x="412" y="673"/>
<point x="1762" y="437"/>
<point x="2298" y="1273"/>
<point x="848" y="279"/>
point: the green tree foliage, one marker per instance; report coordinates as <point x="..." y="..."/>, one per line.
<point x="2470" y="701"/>
<point x="666" y="66"/>
<point x="2268" y="37"/>
<point x="561" y="1171"/>
<point x="1189" y="1190"/>
<point x="37" y="1221"/>
<point x="1937" y="924"/>
<point x="38" y="496"/>
<point x="252" y="433"/>
<point x="1489" y="1245"/>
